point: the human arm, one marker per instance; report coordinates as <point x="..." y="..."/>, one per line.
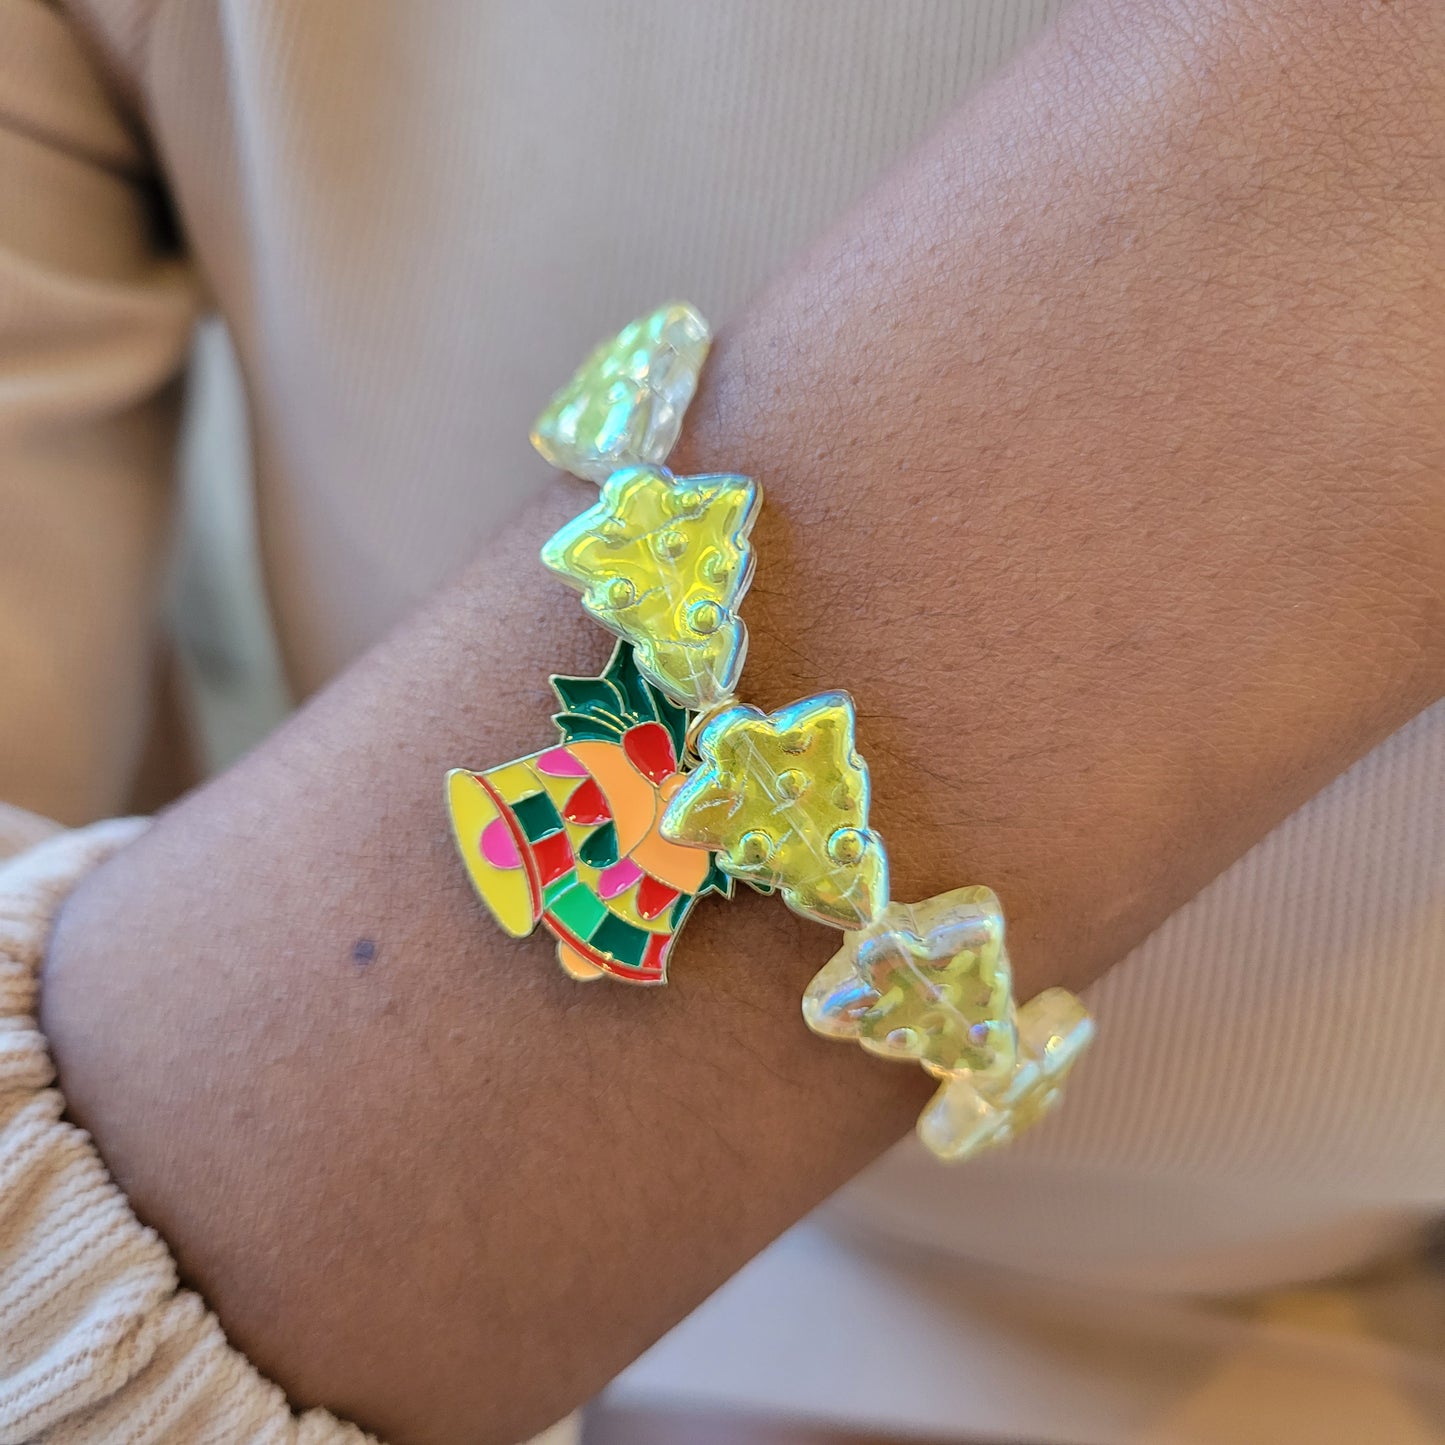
<point x="1094" y="442"/>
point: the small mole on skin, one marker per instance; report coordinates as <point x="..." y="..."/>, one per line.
<point x="364" y="952"/>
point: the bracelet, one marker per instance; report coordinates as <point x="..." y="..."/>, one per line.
<point x="663" y="787"/>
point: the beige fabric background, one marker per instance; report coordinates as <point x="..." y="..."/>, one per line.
<point x="414" y="219"/>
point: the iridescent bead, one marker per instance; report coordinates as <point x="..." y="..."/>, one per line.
<point x="783" y="799"/>
<point x="664" y="562"/>
<point x="968" y="1115"/>
<point x="927" y="981"/>
<point x="624" y="407"/>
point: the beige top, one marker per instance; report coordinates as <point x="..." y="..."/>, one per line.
<point x="414" y="219"/>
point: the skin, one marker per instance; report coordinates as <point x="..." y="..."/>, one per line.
<point x="1102" y="450"/>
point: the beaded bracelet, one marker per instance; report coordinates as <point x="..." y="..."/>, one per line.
<point x="663" y="787"/>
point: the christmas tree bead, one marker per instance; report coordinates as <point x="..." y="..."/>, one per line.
<point x="928" y="981"/>
<point x="624" y="406"/>
<point x="664" y="561"/>
<point x="968" y="1115"/>
<point x="783" y="799"/>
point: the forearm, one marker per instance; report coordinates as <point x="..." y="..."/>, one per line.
<point x="1094" y="447"/>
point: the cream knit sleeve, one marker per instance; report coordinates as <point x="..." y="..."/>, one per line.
<point x="98" y="1344"/>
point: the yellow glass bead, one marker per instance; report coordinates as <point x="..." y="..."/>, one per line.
<point x="624" y="406"/>
<point x="968" y="1115"/>
<point x="783" y="799"/>
<point x="927" y="981"/>
<point x="664" y="561"/>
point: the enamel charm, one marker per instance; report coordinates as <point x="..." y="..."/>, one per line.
<point x="570" y="837"/>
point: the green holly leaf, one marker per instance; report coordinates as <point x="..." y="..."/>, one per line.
<point x="593" y="697"/>
<point x="644" y="701"/>
<point x="640" y="698"/>
<point x="603" y="708"/>
<point x="578" y="727"/>
<point x="717" y="881"/>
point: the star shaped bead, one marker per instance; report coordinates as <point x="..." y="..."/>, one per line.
<point x="625" y="404"/>
<point x="927" y="981"/>
<point x="664" y="561"/>
<point x="783" y="800"/>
